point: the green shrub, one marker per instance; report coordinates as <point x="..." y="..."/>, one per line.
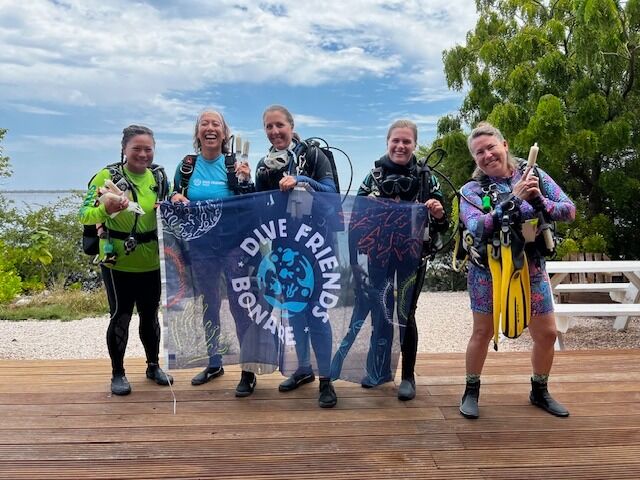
<point x="594" y="243"/>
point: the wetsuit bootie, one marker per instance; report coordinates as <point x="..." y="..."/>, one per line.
<point x="207" y="374"/>
<point x="407" y="389"/>
<point x="300" y="377"/>
<point x="155" y="373"/>
<point x="247" y="384"/>
<point x="120" y="385"/>
<point x="540" y="397"/>
<point x="469" y="403"/>
<point x="328" y="397"/>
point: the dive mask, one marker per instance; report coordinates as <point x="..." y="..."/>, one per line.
<point x="277" y="159"/>
<point x="395" y="184"/>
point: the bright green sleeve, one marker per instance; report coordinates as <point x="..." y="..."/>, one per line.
<point x="91" y="211"/>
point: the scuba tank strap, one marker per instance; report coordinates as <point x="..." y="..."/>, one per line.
<point x="187" y="166"/>
<point x="162" y="183"/>
<point x="377" y="175"/>
<point x="299" y="153"/>
<point x="230" y="168"/>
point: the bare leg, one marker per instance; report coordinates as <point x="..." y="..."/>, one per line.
<point x="543" y="333"/>
<point x="479" y="342"/>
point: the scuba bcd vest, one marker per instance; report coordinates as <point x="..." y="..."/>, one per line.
<point x="305" y="155"/>
<point x="474" y="248"/>
<point x="417" y="186"/>
<point x="188" y="165"/>
<point x="91" y="236"/>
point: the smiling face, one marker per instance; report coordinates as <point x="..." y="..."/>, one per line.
<point x="211" y="134"/>
<point x="491" y="155"/>
<point x="278" y="128"/>
<point x="139" y="152"/>
<point x="400" y="145"/>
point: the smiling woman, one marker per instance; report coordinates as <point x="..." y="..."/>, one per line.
<point x="130" y="261"/>
<point x="397" y="176"/>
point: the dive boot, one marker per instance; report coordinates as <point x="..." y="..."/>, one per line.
<point x="155" y="373"/>
<point x="469" y="402"/>
<point x="120" y="385"/>
<point x="327" y="397"/>
<point x="407" y="389"/>
<point x="540" y="397"/>
<point x="247" y="384"/>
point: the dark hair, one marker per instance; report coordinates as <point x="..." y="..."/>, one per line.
<point x="131" y="131"/>
<point x="225" y="129"/>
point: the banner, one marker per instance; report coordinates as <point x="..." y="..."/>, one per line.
<point x="278" y="280"/>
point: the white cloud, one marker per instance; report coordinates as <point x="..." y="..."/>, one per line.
<point x="21" y="107"/>
<point x="115" y="52"/>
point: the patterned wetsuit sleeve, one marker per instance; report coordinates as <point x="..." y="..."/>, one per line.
<point x="91" y="211"/>
<point x="365" y="188"/>
<point x="558" y="206"/>
<point x="480" y="224"/>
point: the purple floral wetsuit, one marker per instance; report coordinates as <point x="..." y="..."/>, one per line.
<point x="558" y="207"/>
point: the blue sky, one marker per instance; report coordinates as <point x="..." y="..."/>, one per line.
<point x="73" y="74"/>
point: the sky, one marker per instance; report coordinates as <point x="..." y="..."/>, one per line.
<point x="74" y="73"/>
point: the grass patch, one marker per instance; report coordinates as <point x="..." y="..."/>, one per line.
<point x="59" y="305"/>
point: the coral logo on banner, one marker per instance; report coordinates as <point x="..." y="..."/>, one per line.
<point x="296" y="276"/>
<point x="286" y="278"/>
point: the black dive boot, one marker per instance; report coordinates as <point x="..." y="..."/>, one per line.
<point x="469" y="402"/>
<point x="247" y="384"/>
<point x="540" y="397"/>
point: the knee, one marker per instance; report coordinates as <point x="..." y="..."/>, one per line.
<point x="482" y="333"/>
<point x="543" y="330"/>
<point x="482" y="329"/>
<point x="545" y="337"/>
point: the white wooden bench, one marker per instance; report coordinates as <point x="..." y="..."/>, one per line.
<point x="627" y="294"/>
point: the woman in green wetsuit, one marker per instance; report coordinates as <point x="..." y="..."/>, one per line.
<point x="129" y="251"/>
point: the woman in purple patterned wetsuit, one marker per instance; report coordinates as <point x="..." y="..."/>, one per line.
<point x="490" y="152"/>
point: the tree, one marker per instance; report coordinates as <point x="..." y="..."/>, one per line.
<point x="563" y="73"/>
<point x="5" y="170"/>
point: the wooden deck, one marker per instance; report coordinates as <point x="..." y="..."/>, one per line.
<point x="57" y="420"/>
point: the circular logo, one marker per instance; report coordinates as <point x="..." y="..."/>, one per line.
<point x="286" y="278"/>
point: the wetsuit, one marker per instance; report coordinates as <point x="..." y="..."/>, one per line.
<point x="384" y="266"/>
<point x="558" y="207"/>
<point x="306" y="328"/>
<point x="134" y="278"/>
<point x="209" y="181"/>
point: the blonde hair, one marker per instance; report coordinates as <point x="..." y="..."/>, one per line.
<point x="485" y="128"/>
<point x="403" y="123"/>
<point x="225" y="128"/>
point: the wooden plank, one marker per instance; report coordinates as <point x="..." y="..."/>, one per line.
<point x="54" y="426"/>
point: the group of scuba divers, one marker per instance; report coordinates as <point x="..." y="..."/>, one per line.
<point x="506" y="275"/>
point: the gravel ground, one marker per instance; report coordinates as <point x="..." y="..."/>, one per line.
<point x="444" y="324"/>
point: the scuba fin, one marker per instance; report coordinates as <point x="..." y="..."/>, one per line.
<point x="495" y="267"/>
<point x="515" y="302"/>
